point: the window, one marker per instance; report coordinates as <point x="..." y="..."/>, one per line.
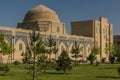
<point x="20" y="46"/>
<point x="58" y="30"/>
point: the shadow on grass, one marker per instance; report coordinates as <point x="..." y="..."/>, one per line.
<point x="111" y="77"/>
<point x="3" y="74"/>
<point x="56" y="73"/>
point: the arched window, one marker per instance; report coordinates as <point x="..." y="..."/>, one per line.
<point x="20" y="46"/>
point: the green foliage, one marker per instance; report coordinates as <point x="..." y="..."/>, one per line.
<point x="75" y="51"/>
<point x="16" y="62"/>
<point x="111" y="59"/>
<point x="35" y="49"/>
<point x="5" y="48"/>
<point x="113" y="52"/>
<point x="42" y="63"/>
<point x="92" y="57"/>
<point x="103" y="60"/>
<point x="5" y="68"/>
<point x="51" y="44"/>
<point x="63" y="62"/>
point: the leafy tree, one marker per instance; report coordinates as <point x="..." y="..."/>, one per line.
<point x="113" y="52"/>
<point x="118" y="54"/>
<point x="75" y="51"/>
<point x="92" y="57"/>
<point x="63" y="62"/>
<point x="5" y="48"/>
<point x="36" y="47"/>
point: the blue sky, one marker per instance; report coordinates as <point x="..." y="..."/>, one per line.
<point x="13" y="11"/>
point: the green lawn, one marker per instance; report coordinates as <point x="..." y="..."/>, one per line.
<point x="82" y="72"/>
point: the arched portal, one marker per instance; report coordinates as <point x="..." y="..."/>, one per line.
<point x="61" y="47"/>
<point x="20" y="47"/>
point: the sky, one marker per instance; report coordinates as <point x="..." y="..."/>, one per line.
<point x="13" y="11"/>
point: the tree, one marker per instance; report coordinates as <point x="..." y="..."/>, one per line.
<point x="63" y="62"/>
<point x="36" y="47"/>
<point x="50" y="43"/>
<point x="5" y="48"/>
<point x="92" y="57"/>
<point x="55" y="50"/>
<point x="113" y="51"/>
<point x="75" y="51"/>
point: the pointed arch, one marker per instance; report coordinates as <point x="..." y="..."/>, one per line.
<point x="20" y="47"/>
<point x="61" y="47"/>
<point x="88" y="50"/>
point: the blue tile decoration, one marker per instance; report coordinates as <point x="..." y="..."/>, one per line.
<point x="9" y="38"/>
<point x="24" y="38"/>
<point x="6" y="32"/>
<point x="21" y="34"/>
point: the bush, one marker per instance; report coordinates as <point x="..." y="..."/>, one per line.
<point x="112" y="59"/>
<point x="103" y="60"/>
<point x="91" y="58"/>
<point x="16" y="62"/>
<point x="6" y="68"/>
<point x="97" y="63"/>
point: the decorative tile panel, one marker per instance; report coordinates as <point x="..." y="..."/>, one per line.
<point x="6" y="32"/>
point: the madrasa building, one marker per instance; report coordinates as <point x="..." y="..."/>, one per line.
<point x="88" y="33"/>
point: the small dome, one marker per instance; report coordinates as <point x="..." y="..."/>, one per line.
<point x="41" y="13"/>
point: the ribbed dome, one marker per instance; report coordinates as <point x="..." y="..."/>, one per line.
<point x="41" y="13"/>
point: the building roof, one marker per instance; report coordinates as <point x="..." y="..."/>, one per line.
<point x="41" y="13"/>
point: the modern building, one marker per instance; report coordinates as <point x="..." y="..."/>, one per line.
<point x="88" y="33"/>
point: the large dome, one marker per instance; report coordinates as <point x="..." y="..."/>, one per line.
<point x="41" y="13"/>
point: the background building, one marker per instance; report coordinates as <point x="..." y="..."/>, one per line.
<point x="44" y="20"/>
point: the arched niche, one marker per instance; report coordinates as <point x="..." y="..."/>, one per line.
<point x="82" y="49"/>
<point x="88" y="50"/>
<point x="61" y="47"/>
<point x="20" y="47"/>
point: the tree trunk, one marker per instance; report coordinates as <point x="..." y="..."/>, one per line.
<point x="34" y="68"/>
<point x="34" y="72"/>
<point x="75" y="60"/>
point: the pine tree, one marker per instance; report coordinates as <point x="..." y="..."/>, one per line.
<point x="75" y="51"/>
<point x="36" y="48"/>
<point x="63" y="62"/>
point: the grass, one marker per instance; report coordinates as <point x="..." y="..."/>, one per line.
<point x="81" y="72"/>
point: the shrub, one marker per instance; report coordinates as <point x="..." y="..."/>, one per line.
<point x="112" y="59"/>
<point x="6" y="68"/>
<point x="103" y="60"/>
<point x="16" y="62"/>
